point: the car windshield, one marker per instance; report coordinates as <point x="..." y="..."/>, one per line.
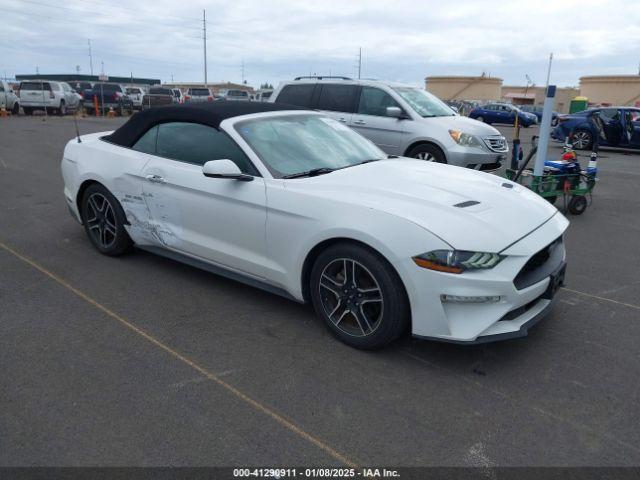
<point x="425" y="104"/>
<point x="293" y="144"/>
<point x="199" y="91"/>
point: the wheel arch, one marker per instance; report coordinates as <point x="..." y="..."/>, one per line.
<point x="81" y="189"/>
<point x="314" y="253"/>
<point x="425" y="142"/>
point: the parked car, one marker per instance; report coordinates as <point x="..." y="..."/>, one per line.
<point x="178" y="96"/>
<point x="236" y="95"/>
<point x="611" y="126"/>
<point x="112" y="94"/>
<point x="195" y="95"/>
<point x="299" y="204"/>
<point x="8" y="98"/>
<point x="399" y="119"/>
<point x="80" y="87"/>
<point x="157" y="97"/>
<point x="537" y="111"/>
<point x="53" y="97"/>
<point x="263" y="95"/>
<point x="135" y="94"/>
<point x="502" y="113"/>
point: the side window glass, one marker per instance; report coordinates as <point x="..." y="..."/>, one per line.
<point x="299" y="95"/>
<point x="374" y="101"/>
<point x="147" y="142"/>
<point x="609" y="113"/>
<point x="337" y="98"/>
<point x="195" y="143"/>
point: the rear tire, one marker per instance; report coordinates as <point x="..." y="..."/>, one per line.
<point x="16" y="109"/>
<point x="480" y="118"/>
<point x="104" y="220"/>
<point x="577" y="205"/>
<point x="359" y="296"/>
<point x="427" y="152"/>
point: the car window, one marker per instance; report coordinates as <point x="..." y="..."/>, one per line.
<point x="300" y="95"/>
<point x="196" y="143"/>
<point x="199" y="92"/>
<point x="610" y="113"/>
<point x="1" y="87"/>
<point x="147" y="142"/>
<point x="37" y="86"/>
<point x="338" y="98"/>
<point x="374" y="101"/>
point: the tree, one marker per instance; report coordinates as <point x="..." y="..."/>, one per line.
<point x="266" y="85"/>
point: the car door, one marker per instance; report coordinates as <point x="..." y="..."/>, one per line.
<point x="635" y="122"/>
<point x="490" y="113"/>
<point x="213" y="219"/>
<point x="70" y="96"/>
<point x="338" y="101"/>
<point x="612" y="124"/>
<point x="371" y="120"/>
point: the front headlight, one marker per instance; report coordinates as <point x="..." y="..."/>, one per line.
<point x="464" y="139"/>
<point x="457" y="261"/>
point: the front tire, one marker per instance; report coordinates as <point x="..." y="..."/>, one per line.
<point x="359" y="296"/>
<point x="62" y="111"/>
<point x="16" y="109"/>
<point x="427" y="152"/>
<point x="577" y="205"/>
<point x="582" y="140"/>
<point x="104" y="220"/>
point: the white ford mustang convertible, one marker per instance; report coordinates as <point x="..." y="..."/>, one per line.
<point x="299" y="204"/>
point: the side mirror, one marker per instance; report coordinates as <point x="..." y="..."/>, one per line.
<point x="395" y="112"/>
<point x="224" y="169"/>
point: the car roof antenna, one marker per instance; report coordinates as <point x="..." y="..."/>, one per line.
<point x="75" y="121"/>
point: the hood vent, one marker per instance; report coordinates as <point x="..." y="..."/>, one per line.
<point x="468" y="203"/>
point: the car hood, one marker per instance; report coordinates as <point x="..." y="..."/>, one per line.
<point x="440" y="198"/>
<point x="464" y="124"/>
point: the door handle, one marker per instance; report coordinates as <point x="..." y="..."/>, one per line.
<point x="359" y="122"/>
<point x="342" y="119"/>
<point x="156" y="179"/>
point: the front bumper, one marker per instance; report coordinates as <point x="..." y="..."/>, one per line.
<point x="518" y="308"/>
<point x="481" y="158"/>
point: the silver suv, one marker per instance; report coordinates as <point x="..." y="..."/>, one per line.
<point x="400" y="119"/>
<point x="47" y="95"/>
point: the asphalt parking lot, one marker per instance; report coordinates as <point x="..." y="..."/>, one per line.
<point x="142" y="361"/>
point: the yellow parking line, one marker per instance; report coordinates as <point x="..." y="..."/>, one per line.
<point x="292" y="427"/>
<point x="636" y="307"/>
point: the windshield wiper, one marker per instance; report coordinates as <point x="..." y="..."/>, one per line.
<point x="310" y="173"/>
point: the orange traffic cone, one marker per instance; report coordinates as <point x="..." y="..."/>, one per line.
<point x="3" y="112"/>
<point x="111" y="113"/>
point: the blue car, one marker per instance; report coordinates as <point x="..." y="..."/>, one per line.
<point x="611" y="126"/>
<point x="537" y="111"/>
<point x="502" y="113"/>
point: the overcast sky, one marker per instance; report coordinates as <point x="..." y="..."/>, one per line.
<point x="401" y="40"/>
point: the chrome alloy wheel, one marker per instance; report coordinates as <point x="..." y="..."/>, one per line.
<point x="351" y="297"/>
<point x="581" y="140"/>
<point x="425" y="156"/>
<point x="101" y="220"/>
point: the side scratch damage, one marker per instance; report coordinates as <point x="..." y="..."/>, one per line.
<point x="143" y="228"/>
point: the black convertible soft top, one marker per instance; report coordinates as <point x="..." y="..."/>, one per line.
<point x="210" y="114"/>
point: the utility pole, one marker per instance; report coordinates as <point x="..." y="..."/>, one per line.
<point x="242" y="68"/>
<point x="90" y="57"/>
<point x="204" y="29"/>
<point x="549" y="70"/>
<point x="359" y="62"/>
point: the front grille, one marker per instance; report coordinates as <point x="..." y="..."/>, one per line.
<point x="540" y="265"/>
<point x="496" y="143"/>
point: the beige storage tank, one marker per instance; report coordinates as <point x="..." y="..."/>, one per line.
<point x="464" y="88"/>
<point x="611" y="89"/>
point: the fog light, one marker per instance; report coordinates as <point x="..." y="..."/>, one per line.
<point x="464" y="299"/>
